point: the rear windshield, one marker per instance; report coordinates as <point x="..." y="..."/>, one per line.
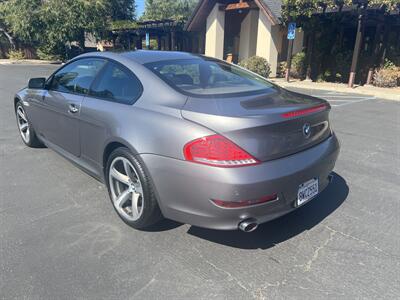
<point x="201" y="77"/>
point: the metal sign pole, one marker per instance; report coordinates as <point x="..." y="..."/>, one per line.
<point x="291" y="36"/>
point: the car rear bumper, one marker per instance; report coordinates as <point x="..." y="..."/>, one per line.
<point x="185" y="189"/>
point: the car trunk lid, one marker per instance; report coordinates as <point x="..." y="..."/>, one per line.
<point x="264" y="125"/>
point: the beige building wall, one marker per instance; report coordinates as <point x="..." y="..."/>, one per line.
<point x="215" y="33"/>
<point x="248" y="35"/>
<point x="268" y="42"/>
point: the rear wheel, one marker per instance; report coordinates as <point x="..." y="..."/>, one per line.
<point x="26" y="130"/>
<point x="131" y="190"/>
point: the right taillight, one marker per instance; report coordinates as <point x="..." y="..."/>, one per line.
<point x="216" y="150"/>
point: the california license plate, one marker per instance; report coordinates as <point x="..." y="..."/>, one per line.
<point x="307" y="191"/>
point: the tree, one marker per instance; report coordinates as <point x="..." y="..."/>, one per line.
<point x="21" y="19"/>
<point x="52" y="25"/>
<point x="66" y="21"/>
<point x="300" y="9"/>
<point x="122" y="10"/>
<point x="178" y="10"/>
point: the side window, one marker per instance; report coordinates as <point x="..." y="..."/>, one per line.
<point x="77" y="76"/>
<point x="117" y="84"/>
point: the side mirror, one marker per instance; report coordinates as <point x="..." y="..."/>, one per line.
<point x="37" y="83"/>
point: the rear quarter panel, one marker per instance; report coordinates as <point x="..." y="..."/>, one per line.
<point x="152" y="125"/>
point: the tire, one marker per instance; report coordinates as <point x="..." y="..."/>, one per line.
<point x="128" y="183"/>
<point x="26" y="130"/>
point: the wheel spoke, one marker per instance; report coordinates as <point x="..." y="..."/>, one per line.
<point x="22" y="115"/>
<point x="24" y="126"/>
<point x="122" y="198"/>
<point x="135" y="206"/>
<point x="138" y="188"/>
<point x="128" y="170"/>
<point x="119" y="176"/>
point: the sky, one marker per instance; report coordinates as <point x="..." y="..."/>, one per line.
<point x="140" y="7"/>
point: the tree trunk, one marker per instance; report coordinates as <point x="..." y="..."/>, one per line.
<point x="309" y="55"/>
<point x="9" y="37"/>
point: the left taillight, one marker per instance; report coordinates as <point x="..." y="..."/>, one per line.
<point x="216" y="150"/>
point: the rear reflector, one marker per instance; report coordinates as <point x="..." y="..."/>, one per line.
<point x="302" y="112"/>
<point x="237" y="204"/>
<point x="216" y="150"/>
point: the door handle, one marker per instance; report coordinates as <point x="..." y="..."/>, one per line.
<point x="73" y="109"/>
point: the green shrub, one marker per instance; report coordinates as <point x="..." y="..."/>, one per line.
<point x="389" y="77"/>
<point x="341" y="67"/>
<point x="281" y="72"/>
<point x="324" y="76"/>
<point x="257" y="65"/>
<point x="16" y="55"/>
<point x="388" y="64"/>
<point x="45" y="54"/>
<point x="298" y="68"/>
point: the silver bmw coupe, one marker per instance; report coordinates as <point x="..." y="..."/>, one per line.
<point x="183" y="136"/>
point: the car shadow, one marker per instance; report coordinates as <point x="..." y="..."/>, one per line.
<point x="163" y="225"/>
<point x="279" y="230"/>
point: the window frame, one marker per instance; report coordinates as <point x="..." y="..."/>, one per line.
<point x="49" y="81"/>
<point x="100" y="75"/>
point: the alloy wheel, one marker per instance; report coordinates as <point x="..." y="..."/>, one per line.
<point x="23" y="124"/>
<point x="126" y="189"/>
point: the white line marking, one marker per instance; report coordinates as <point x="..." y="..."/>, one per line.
<point x="352" y="102"/>
<point x="335" y="100"/>
<point x="340" y="96"/>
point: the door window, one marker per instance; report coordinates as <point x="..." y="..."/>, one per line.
<point x="117" y="84"/>
<point x="77" y="76"/>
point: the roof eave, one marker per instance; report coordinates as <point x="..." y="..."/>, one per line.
<point x="263" y="7"/>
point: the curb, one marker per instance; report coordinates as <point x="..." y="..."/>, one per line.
<point x="376" y="92"/>
<point x="28" y="62"/>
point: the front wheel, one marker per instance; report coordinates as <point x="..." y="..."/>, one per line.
<point x="131" y="190"/>
<point x="26" y="130"/>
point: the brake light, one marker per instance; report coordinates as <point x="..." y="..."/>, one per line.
<point x="244" y="203"/>
<point x="302" y="112"/>
<point x="216" y="150"/>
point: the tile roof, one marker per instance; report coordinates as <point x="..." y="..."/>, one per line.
<point x="275" y="7"/>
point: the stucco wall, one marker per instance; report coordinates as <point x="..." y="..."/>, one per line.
<point x="215" y="33"/>
<point x="248" y="35"/>
<point x="268" y="41"/>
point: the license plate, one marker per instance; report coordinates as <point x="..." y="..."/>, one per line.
<point x="307" y="191"/>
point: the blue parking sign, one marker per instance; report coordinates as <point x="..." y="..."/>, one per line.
<point x="291" y="31"/>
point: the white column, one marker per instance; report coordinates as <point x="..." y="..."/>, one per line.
<point x="268" y="41"/>
<point x="248" y="35"/>
<point x="215" y="33"/>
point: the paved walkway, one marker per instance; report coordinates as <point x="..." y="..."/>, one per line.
<point x="385" y="93"/>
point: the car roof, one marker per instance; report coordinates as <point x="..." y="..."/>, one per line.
<point x="149" y="56"/>
<point x="143" y="57"/>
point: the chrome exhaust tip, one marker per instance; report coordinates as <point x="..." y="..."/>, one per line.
<point x="248" y="225"/>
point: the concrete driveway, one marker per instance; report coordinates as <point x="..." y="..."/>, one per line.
<point x="60" y="238"/>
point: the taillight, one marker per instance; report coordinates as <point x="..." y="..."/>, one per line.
<point x="216" y="150"/>
<point x="302" y="112"/>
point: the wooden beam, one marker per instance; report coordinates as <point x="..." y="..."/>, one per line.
<point x="236" y="6"/>
<point x="357" y="48"/>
